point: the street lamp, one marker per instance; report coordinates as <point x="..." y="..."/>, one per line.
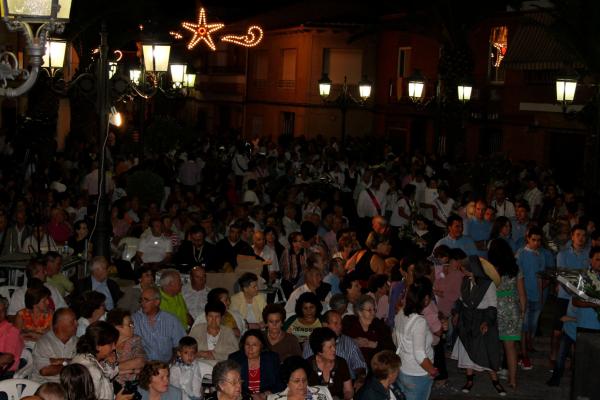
<point x="18" y="15"/>
<point x="565" y="90"/>
<point x="190" y="81"/>
<point x="156" y="57"/>
<point x="464" y="91"/>
<point x="178" y="74"/>
<point x="345" y="99"/>
<point x="416" y="86"/>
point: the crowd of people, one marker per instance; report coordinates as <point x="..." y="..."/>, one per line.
<point x="373" y="270"/>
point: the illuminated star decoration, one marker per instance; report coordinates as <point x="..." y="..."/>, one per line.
<point x="201" y="31"/>
<point x="251" y="39"/>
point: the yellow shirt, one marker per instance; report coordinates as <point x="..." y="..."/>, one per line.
<point x="176" y="306"/>
<point x="61" y="283"/>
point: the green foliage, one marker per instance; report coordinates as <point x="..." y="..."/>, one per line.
<point x="165" y="133"/>
<point x="148" y="186"/>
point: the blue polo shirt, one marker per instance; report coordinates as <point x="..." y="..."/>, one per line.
<point x="569" y="258"/>
<point x="478" y="230"/>
<point x="518" y="233"/>
<point x="465" y="243"/>
<point x="530" y="262"/>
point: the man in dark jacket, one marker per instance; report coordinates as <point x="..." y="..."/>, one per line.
<point x="99" y="282"/>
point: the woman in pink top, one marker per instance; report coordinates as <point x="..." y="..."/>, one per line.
<point x="11" y="343"/>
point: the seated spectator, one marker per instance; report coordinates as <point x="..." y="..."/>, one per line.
<point x="371" y="334"/>
<point x="385" y="367"/>
<point x="78" y="384"/>
<point x="54" y="276"/>
<point x="196" y="251"/>
<point x="100" y="282"/>
<point x="16" y="234"/>
<point x="160" y="331"/>
<point x="339" y="304"/>
<point x="313" y="283"/>
<point x="267" y="254"/>
<point x="39" y="242"/>
<point x="279" y="341"/>
<point x="186" y="371"/>
<point x="11" y="344"/>
<point x="306" y="319"/>
<point x="292" y="262"/>
<point x="294" y="373"/>
<point x="130" y="352"/>
<point x="130" y="300"/>
<point x="327" y="368"/>
<point x="379" y="289"/>
<point x="154" y="382"/>
<point x="58" y="227"/>
<point x="195" y="291"/>
<point x="229" y="248"/>
<point x="248" y="302"/>
<point x="92" y="308"/>
<point x="344" y="347"/>
<point x="335" y="275"/>
<point x="35" y="269"/>
<point x="79" y="241"/>
<point x="154" y="249"/>
<point x="214" y="340"/>
<point x="96" y="352"/>
<point x="171" y="299"/>
<point x="36" y="318"/>
<point x="55" y="349"/>
<point x="259" y="367"/>
<point x="51" y="391"/>
<point x="351" y="289"/>
<point x="231" y="319"/>
<point x="371" y="260"/>
<point x="170" y="232"/>
<point x="226" y="376"/>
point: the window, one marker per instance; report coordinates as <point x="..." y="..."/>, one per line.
<point x="288" y="119"/>
<point x="497" y="51"/>
<point x="260" y="68"/>
<point x="340" y="63"/>
<point x="404" y="62"/>
<point x="288" y="69"/>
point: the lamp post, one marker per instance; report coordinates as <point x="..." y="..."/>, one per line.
<point x="19" y="15"/>
<point x="345" y="99"/>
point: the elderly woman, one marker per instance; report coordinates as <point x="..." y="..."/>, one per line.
<point x="327" y="368"/>
<point x="215" y="340"/>
<point x="231" y="319"/>
<point x="281" y="342"/>
<point x="308" y="311"/>
<point x="259" y="367"/>
<point x="295" y="372"/>
<point x="154" y="382"/>
<point x="385" y="367"/>
<point x="91" y="309"/>
<point x="130" y="352"/>
<point x="228" y="382"/>
<point x="36" y="318"/>
<point x="96" y="351"/>
<point x="371" y="334"/>
<point x="248" y="302"/>
<point x="415" y="342"/>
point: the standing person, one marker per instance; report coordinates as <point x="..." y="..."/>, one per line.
<point x="415" y="342"/>
<point x="502" y="228"/>
<point x="531" y="261"/>
<point x="478" y="346"/>
<point x="503" y="206"/>
<point x="455" y="238"/>
<point x="478" y="228"/>
<point x="512" y="301"/>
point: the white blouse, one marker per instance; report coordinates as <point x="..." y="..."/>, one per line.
<point x="414" y="339"/>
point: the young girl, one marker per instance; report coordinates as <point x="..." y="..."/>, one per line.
<point x="186" y="372"/>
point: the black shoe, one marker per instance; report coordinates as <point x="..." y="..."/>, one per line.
<point x="469" y="385"/>
<point x="499" y="388"/>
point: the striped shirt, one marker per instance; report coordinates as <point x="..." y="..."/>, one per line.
<point x="158" y="338"/>
<point x="345" y="348"/>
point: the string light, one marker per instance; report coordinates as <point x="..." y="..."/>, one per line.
<point x="202" y="31"/>
<point x="176" y="35"/>
<point x="253" y="37"/>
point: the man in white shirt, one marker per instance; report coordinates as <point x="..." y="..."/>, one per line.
<point x="155" y="248"/>
<point x="266" y="253"/>
<point x="371" y="200"/>
<point x="534" y="197"/>
<point x="250" y="195"/>
<point x="35" y="269"/>
<point x="195" y="292"/>
<point x="503" y="207"/>
<point x="443" y="207"/>
<point x="289" y="220"/>
<point x="313" y="282"/>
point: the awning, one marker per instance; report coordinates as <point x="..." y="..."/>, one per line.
<point x="532" y="47"/>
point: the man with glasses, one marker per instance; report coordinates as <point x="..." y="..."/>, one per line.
<point x="160" y="331"/>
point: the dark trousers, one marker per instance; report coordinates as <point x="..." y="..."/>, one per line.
<point x="439" y="359"/>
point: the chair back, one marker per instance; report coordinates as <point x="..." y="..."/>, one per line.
<point x="7" y="291"/>
<point x="18" y="388"/>
<point x="129" y="246"/>
<point x="25" y="371"/>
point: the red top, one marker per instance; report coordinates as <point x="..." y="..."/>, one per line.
<point x="254" y="380"/>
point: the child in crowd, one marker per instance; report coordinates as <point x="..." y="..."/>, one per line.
<point x="186" y="373"/>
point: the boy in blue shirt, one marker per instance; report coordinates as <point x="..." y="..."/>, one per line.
<point x="531" y="261"/>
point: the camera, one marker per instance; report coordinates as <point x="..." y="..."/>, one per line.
<point x="131" y="387"/>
